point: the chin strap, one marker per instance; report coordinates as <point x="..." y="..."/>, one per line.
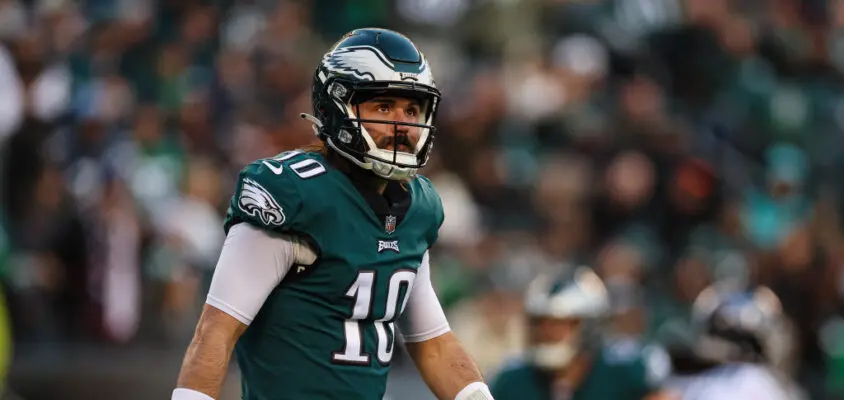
<point x="317" y="124"/>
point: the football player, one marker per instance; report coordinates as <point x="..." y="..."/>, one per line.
<point x="566" y="358"/>
<point x="739" y="339"/>
<point x="326" y="256"/>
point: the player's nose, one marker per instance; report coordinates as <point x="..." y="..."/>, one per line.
<point x="401" y="119"/>
<point x="403" y="130"/>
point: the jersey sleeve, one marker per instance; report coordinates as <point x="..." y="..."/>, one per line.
<point x="435" y="205"/>
<point x="642" y="367"/>
<point x="266" y="197"/>
<point x="756" y="383"/>
<point x="731" y="382"/>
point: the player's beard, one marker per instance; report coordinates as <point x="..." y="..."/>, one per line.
<point x="552" y="356"/>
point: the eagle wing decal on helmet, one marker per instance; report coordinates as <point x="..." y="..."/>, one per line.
<point x="258" y="202"/>
<point x="362" y="62"/>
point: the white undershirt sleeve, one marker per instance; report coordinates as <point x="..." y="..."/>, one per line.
<point x="423" y="318"/>
<point x="252" y="263"/>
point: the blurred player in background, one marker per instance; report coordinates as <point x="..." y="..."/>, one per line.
<point x="6" y="345"/>
<point x="327" y="248"/>
<point x="740" y="339"/>
<point x="566" y="359"/>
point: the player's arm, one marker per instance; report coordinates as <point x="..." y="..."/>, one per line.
<point x="663" y="395"/>
<point x="206" y="362"/>
<point x="446" y="367"/>
<point x="251" y="264"/>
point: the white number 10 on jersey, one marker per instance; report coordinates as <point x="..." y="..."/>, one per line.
<point x="362" y="291"/>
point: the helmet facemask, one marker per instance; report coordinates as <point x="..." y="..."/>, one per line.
<point x="353" y="141"/>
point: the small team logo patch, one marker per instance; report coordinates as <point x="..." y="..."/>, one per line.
<point x="390" y="224"/>
<point x="388" y="245"/>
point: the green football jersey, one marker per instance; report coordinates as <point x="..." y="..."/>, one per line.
<point x="327" y="331"/>
<point x="622" y="371"/>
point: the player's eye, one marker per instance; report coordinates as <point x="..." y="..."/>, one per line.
<point x="383" y="107"/>
<point x="413" y="111"/>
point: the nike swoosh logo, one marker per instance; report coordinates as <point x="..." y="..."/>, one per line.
<point x="276" y="170"/>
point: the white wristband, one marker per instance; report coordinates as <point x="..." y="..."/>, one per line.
<point x="474" y="391"/>
<point x="189" y="394"/>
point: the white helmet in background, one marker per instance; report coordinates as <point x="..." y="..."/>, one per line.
<point x="564" y="311"/>
<point x="741" y="326"/>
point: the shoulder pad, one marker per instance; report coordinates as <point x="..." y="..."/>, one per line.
<point x="429" y="193"/>
<point x="651" y="361"/>
<point x="267" y="193"/>
<point x="510" y="369"/>
<point x="623" y="351"/>
<point x="512" y="363"/>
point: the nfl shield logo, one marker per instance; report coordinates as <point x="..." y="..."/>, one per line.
<point x="390" y="224"/>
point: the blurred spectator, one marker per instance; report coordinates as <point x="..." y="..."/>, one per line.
<point x="668" y="144"/>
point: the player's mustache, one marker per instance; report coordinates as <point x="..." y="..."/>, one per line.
<point x="395" y="141"/>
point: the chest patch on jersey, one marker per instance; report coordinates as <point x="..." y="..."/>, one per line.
<point x="392" y="245"/>
<point x="390" y="224"/>
<point x="257" y="202"/>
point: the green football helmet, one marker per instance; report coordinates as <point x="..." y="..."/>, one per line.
<point x="364" y="64"/>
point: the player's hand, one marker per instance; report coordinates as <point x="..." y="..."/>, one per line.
<point x="663" y="395"/>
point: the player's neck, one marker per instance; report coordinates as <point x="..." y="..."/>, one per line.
<point x="362" y="176"/>
<point x="377" y="184"/>
<point x="575" y="373"/>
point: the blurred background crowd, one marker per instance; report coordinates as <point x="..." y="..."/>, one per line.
<point x="668" y="144"/>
